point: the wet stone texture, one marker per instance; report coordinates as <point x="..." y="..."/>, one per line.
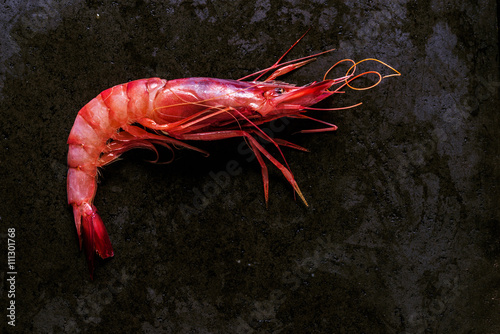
<point x="402" y="232"/>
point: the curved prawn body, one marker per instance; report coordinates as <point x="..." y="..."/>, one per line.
<point x="149" y="112"/>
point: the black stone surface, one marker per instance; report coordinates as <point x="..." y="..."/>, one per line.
<point x="402" y="233"/>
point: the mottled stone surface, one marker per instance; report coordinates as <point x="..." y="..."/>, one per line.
<point x="402" y="233"/>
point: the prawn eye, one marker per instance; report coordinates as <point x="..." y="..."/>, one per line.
<point x="274" y="92"/>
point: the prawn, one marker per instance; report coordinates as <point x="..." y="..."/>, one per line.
<point x="148" y="112"/>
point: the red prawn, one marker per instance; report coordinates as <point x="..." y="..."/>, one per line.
<point x="174" y="111"/>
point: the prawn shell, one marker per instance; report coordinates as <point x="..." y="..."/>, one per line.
<point x="81" y="185"/>
<point x="116" y="101"/>
<point x="96" y="113"/>
<point x="138" y="99"/>
<point x="141" y="94"/>
<point x="79" y="157"/>
<point x="85" y="135"/>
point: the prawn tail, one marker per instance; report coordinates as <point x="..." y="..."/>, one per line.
<point x="94" y="237"/>
<point x="92" y="234"/>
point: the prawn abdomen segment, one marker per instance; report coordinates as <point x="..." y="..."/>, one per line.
<point x="142" y="95"/>
<point x="130" y="101"/>
<point x="82" y="185"/>
<point x="83" y="134"/>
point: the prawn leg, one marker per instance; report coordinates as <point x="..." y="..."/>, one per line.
<point x="142" y="134"/>
<point x="331" y="127"/>
<point x="258" y="149"/>
<point x="187" y="123"/>
<point x="288" y="68"/>
<point x="282" y="142"/>
<point x="135" y="137"/>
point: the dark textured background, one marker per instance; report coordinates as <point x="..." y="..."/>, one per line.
<point x="402" y="233"/>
